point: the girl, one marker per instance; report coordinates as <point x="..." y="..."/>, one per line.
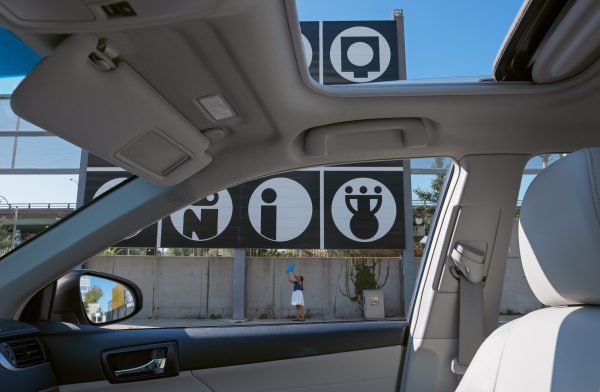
<point x="297" y="294"/>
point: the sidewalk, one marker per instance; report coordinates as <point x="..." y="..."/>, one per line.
<point x="194" y="323"/>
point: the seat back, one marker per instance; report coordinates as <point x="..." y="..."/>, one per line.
<point x="556" y="348"/>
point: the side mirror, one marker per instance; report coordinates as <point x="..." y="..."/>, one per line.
<point x="95" y="298"/>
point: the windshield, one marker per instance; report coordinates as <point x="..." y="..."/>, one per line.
<point x="44" y="178"/>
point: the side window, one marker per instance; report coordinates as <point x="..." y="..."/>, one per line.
<point x="329" y="243"/>
<point x="517" y="297"/>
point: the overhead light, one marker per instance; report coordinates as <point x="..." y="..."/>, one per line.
<point x="217" y="107"/>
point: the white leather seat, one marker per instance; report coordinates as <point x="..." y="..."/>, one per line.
<point x="556" y="348"/>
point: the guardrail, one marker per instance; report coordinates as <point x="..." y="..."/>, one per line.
<point x="72" y="206"/>
<point x="420" y="203"/>
<point x="38" y="206"/>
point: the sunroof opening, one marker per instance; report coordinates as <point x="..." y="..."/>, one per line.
<point x="352" y="41"/>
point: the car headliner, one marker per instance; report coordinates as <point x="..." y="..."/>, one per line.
<point x="250" y="51"/>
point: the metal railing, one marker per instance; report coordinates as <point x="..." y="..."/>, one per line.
<point x="419" y="202"/>
<point x="72" y="206"/>
<point x="38" y="206"/>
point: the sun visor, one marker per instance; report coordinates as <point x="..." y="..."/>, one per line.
<point x="86" y="95"/>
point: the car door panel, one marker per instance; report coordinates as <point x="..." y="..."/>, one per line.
<point x="184" y="382"/>
<point x="338" y="355"/>
<point x="371" y="369"/>
<point x="363" y="370"/>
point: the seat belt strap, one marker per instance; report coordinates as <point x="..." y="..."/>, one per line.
<point x="470" y="266"/>
<point x="470" y="332"/>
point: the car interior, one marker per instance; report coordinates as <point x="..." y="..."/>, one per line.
<point x="193" y="97"/>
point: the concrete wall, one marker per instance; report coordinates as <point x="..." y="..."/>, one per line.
<point x="175" y="287"/>
<point x="201" y="287"/>
<point x="267" y="287"/>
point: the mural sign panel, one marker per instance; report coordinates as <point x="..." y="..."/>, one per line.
<point x="359" y="206"/>
<point x="351" y="52"/>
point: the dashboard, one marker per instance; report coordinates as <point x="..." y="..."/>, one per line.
<point x="24" y="361"/>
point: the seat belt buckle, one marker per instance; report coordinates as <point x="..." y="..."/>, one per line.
<point x="469" y="261"/>
<point x="457" y="368"/>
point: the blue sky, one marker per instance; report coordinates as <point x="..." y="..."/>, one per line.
<point x="106" y="286"/>
<point x="443" y="38"/>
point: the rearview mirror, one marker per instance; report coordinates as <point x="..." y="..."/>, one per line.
<point x="95" y="298"/>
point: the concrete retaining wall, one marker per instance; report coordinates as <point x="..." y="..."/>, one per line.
<point x="201" y="287"/>
<point x="267" y="288"/>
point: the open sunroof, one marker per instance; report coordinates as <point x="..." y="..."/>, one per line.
<point x="516" y="58"/>
<point x="349" y="42"/>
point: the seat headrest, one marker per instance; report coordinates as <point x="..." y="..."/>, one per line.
<point x="559" y="231"/>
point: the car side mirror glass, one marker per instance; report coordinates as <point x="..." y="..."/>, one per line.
<point x="87" y="297"/>
<point x="105" y="300"/>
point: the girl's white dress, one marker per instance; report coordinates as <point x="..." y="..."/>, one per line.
<point x="297" y="298"/>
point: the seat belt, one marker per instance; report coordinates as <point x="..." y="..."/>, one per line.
<point x="469" y="264"/>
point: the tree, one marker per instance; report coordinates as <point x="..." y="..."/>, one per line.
<point x="92" y="296"/>
<point x="180" y="252"/>
<point x="431" y="199"/>
<point x="436" y="188"/>
<point x="5" y="236"/>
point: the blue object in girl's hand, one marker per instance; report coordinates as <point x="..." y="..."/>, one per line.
<point x="290" y="268"/>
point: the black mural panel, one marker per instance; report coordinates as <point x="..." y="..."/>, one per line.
<point x="359" y="52"/>
<point x="96" y="161"/>
<point x="364" y="210"/>
<point x="213" y="222"/>
<point x="98" y="182"/>
<point x="273" y="212"/>
<point x="310" y="44"/>
<point x="281" y="211"/>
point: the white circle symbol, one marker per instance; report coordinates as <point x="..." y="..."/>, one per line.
<point x="308" y="51"/>
<point x="109" y="185"/>
<point x="363" y="209"/>
<point x="361" y="55"/>
<point x="206" y="218"/>
<point x="280" y="209"/>
<point x="106" y="187"/>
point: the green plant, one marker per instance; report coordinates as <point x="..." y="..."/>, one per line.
<point x="180" y="252"/>
<point x="419" y="248"/>
<point x="92" y="296"/>
<point x="268" y="312"/>
<point x="214" y="316"/>
<point x="109" y="252"/>
<point x="430" y="198"/>
<point x="362" y="274"/>
<point x="5" y="235"/>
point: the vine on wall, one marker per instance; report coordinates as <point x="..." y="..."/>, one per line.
<point x="363" y="274"/>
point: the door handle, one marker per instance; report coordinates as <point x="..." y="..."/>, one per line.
<point x="158" y="360"/>
<point x="156" y="366"/>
